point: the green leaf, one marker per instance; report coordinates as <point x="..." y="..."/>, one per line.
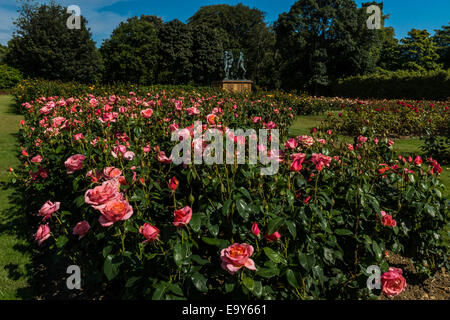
<point x="245" y="193"/>
<point x="376" y="248"/>
<point x="430" y="210"/>
<point x="159" y="293"/>
<point x="199" y="282"/>
<point x="199" y="260"/>
<point x="111" y="267"/>
<point x="292" y="228"/>
<point x="274" y="256"/>
<point x="229" y="287"/>
<point x="292" y="280"/>
<point x="257" y="288"/>
<point x="343" y="232"/>
<point x="196" y="222"/>
<point x="328" y="255"/>
<point x="274" y="225"/>
<point x="248" y="283"/>
<point x="221" y="243"/>
<point x="180" y="254"/>
<point x="175" y="288"/>
<point x="131" y="281"/>
<point x="62" y="240"/>
<point x="227" y="207"/>
<point x="242" y="208"/>
<point x="307" y="261"/>
<point x="267" y="272"/>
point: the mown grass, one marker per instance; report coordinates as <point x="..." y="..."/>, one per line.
<point x="15" y="258"/>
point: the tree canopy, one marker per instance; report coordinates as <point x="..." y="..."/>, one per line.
<point x="42" y="45"/>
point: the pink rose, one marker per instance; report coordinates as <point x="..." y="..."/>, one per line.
<point x="163" y="158"/>
<point x="100" y="195"/>
<point x="118" y="150"/>
<point x="272" y="237"/>
<point x="129" y="155"/>
<point x="320" y="160"/>
<point x="151" y="233"/>
<point x="387" y="220"/>
<point x="297" y="161"/>
<point x="81" y="229"/>
<point x="48" y="209"/>
<point x="111" y="172"/>
<point x="418" y="161"/>
<point x="291" y="144"/>
<point x="393" y="282"/>
<point x="74" y="163"/>
<point x="115" y="210"/>
<point x="362" y="139"/>
<point x="173" y="183"/>
<point x="237" y="256"/>
<point x="182" y="216"/>
<point x="42" y="234"/>
<point x="37" y="159"/>
<point x="305" y="141"/>
<point x="255" y="229"/>
<point x="147" y="113"/>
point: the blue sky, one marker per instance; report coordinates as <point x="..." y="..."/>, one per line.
<point x="104" y="15"/>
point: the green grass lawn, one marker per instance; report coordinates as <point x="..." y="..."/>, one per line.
<point x="15" y="258"/>
<point x="303" y="124"/>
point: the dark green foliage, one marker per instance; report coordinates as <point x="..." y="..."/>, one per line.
<point x="43" y="46"/>
<point x="9" y="77"/>
<point x="442" y="40"/>
<point x="320" y="40"/>
<point x="131" y="54"/>
<point x="396" y="85"/>
<point x="240" y="28"/>
<point x="207" y="55"/>
<point x="419" y="51"/>
<point x="175" y="55"/>
<point x="3" y="51"/>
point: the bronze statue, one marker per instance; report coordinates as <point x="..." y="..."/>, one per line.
<point x="241" y="68"/>
<point x="228" y="64"/>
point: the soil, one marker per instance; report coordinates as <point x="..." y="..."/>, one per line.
<point x="418" y="288"/>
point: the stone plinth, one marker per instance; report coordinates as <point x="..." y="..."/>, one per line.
<point x="234" y="85"/>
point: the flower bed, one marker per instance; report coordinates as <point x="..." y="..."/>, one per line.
<point x="103" y="191"/>
<point x="392" y="118"/>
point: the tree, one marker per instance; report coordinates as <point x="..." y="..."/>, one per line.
<point x="43" y="46"/>
<point x="442" y="40"/>
<point x="239" y="28"/>
<point x="207" y="54"/>
<point x="131" y="53"/>
<point x="175" y="55"/>
<point x="419" y="51"/>
<point x="321" y="40"/>
<point x="3" y="51"/>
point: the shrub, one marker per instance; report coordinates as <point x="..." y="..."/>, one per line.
<point x="433" y="85"/>
<point x="319" y="220"/>
<point x="392" y="118"/>
<point x="9" y="77"/>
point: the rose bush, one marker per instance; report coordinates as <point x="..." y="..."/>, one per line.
<point x="141" y="226"/>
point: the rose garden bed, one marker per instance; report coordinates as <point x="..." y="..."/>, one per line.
<point x="104" y="194"/>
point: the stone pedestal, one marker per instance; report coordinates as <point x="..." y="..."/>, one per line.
<point x="234" y="85"/>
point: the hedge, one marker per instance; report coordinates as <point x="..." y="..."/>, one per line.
<point x="433" y="85"/>
<point x="9" y="77"/>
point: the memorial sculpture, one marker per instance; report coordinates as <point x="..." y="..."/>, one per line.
<point x="229" y="83"/>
